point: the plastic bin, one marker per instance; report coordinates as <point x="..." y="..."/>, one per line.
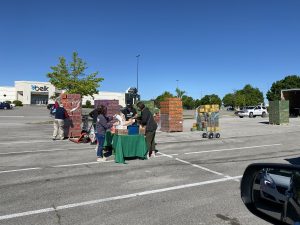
<point x="133" y="130"/>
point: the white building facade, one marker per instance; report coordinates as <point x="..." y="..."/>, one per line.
<point x="39" y="93"/>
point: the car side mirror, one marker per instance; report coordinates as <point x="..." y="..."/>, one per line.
<point x="272" y="192"/>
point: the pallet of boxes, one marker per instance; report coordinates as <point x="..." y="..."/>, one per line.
<point x="171" y="115"/>
<point x="72" y="104"/>
<point x="208" y="121"/>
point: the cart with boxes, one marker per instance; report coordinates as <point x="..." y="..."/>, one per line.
<point x="207" y="117"/>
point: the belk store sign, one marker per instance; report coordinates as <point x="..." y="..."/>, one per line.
<point x="39" y="88"/>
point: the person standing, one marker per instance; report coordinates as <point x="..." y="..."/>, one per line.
<point x="147" y="120"/>
<point x="59" y="122"/>
<point x="129" y="112"/>
<point x="102" y="126"/>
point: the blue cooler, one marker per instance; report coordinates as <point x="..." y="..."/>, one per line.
<point x="133" y="129"/>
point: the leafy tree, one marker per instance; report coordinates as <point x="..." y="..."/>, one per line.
<point x="188" y="102"/>
<point x="179" y="93"/>
<point x="253" y="96"/>
<point x="289" y="82"/>
<point x="162" y="97"/>
<point x="211" y="100"/>
<point x="197" y="103"/>
<point x="239" y="98"/>
<point x="228" y="100"/>
<point x="72" y="78"/>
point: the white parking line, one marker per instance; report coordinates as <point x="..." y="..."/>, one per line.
<point x="12" y="116"/>
<point x="37" y="151"/>
<point x="25" y="169"/>
<point x="232" y="149"/>
<point x="25" y="142"/>
<point x="80" y="164"/>
<point x="98" y="201"/>
<point x="200" y="167"/>
<point x="161" y="155"/>
<point x="58" y="166"/>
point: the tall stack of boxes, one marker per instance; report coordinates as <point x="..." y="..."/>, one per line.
<point x="208" y="118"/>
<point x="279" y="112"/>
<point x="171" y="115"/>
<point x="111" y="105"/>
<point x="72" y="104"/>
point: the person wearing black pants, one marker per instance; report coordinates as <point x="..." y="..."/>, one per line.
<point x="147" y="120"/>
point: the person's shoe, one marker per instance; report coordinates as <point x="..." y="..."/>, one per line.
<point x="53" y="139"/>
<point x="103" y="159"/>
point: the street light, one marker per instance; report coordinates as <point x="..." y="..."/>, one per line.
<point x="177" y="83"/>
<point x="137" y="72"/>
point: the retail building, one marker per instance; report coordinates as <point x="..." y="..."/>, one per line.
<point x="39" y="93"/>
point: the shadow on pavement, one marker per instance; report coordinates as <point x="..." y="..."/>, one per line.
<point x="264" y="122"/>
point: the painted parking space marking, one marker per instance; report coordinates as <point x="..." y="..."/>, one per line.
<point x="232" y="149"/>
<point x="39" y="151"/>
<point x="98" y="201"/>
<point x="12" y="116"/>
<point x="198" y="166"/>
<point x="57" y="166"/>
<point x="20" y="170"/>
<point x="161" y="154"/>
<point x="25" y="142"/>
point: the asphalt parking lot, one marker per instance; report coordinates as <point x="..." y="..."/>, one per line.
<point x="191" y="181"/>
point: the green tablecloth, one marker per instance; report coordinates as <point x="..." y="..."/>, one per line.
<point x="108" y="139"/>
<point x="129" y="146"/>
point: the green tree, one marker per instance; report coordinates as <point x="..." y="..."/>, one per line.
<point x="289" y="82"/>
<point x="247" y="96"/>
<point x="197" y="103"/>
<point x="188" y="102"/>
<point x="72" y="78"/>
<point x="239" y="98"/>
<point x="179" y="93"/>
<point x="228" y="100"/>
<point x="162" y="97"/>
<point x="211" y="100"/>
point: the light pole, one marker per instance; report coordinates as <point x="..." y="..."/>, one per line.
<point x="177" y="83"/>
<point x="137" y="72"/>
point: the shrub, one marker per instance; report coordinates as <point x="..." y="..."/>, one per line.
<point x="88" y="104"/>
<point x="9" y="102"/>
<point x="18" y="103"/>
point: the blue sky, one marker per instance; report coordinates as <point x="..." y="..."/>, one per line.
<point x="211" y="47"/>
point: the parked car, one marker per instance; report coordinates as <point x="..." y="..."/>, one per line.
<point x="252" y="111"/>
<point x="5" y="105"/>
<point x="274" y="185"/>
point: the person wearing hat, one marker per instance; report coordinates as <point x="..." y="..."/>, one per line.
<point x="59" y="122"/>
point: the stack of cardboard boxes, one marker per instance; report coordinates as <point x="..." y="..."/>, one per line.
<point x="72" y="104"/>
<point x="171" y="115"/>
<point x="111" y="105"/>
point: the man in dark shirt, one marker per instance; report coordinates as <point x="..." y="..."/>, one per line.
<point x="59" y="122"/>
<point x="147" y="120"/>
<point x="129" y="112"/>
